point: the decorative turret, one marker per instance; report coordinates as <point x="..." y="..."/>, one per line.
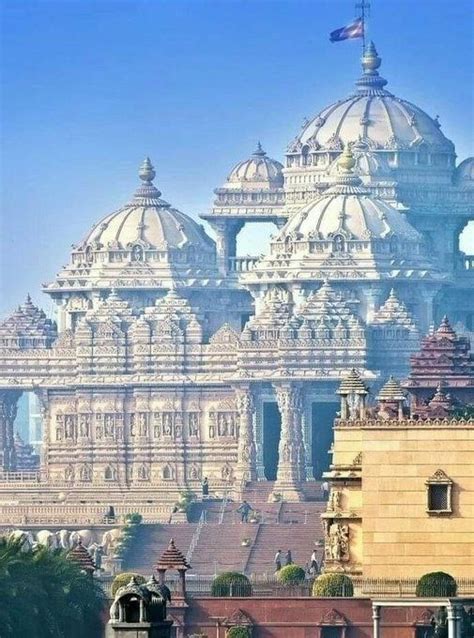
<point x="391" y="399"/>
<point x="172" y="558"/>
<point x="353" y="393"/>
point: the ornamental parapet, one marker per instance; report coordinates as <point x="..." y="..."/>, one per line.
<point x="376" y="424"/>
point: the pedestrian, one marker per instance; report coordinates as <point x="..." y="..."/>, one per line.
<point x="277" y="561"/>
<point x="313" y="565"/>
<point x="244" y="510"/>
<point x="205" y="488"/>
<point x="325" y="490"/>
<point x="288" y="558"/>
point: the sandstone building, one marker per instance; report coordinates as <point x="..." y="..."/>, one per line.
<point x="172" y="358"/>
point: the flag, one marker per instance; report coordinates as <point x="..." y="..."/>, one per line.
<point x="353" y="30"/>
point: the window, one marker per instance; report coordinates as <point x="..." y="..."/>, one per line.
<point x="109" y="473"/>
<point x="438" y="492"/>
<point x="332" y="632"/>
<point x="338" y="244"/>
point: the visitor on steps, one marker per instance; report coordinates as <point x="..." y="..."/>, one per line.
<point x="244" y="510"/>
<point x="313" y="566"/>
<point x="277" y="561"/>
<point x="288" y="558"/>
<point x="205" y="488"/>
<point x="325" y="490"/>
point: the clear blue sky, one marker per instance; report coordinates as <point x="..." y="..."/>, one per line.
<point x="91" y="87"/>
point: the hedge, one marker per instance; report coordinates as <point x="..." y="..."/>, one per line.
<point x="238" y="632"/>
<point x="231" y="584"/>
<point x="123" y="579"/>
<point x="291" y="575"/>
<point x="329" y="585"/>
<point x="437" y="584"/>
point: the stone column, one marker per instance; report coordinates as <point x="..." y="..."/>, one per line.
<point x="246" y="451"/>
<point x="8" y="410"/>
<point x="376" y="621"/>
<point x="291" y="449"/>
<point x="226" y="239"/>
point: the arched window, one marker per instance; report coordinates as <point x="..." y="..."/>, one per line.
<point x="109" y="473"/>
<point x="143" y="474"/>
<point x="393" y="244"/>
<point x="89" y="255"/>
<point x="137" y="253"/>
<point x="167" y="473"/>
<point x="339" y="244"/>
<point x="305" y="155"/>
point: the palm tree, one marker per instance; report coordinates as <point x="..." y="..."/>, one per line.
<point x="45" y="595"/>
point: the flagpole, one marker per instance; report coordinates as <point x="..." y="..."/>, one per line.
<point x="364" y="7"/>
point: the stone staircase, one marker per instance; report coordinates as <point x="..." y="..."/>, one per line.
<point x="295" y="526"/>
<point x="151" y="542"/>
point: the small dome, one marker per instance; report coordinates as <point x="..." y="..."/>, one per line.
<point x="348" y="210"/>
<point x="149" y="222"/>
<point x="375" y="116"/>
<point x="464" y="174"/>
<point x="255" y="173"/>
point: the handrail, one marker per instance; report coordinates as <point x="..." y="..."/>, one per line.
<point x="195" y="538"/>
<point x="225" y="500"/>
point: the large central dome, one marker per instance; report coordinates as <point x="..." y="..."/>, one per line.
<point x="373" y="115"/>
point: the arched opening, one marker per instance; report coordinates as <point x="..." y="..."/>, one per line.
<point x="271" y="439"/>
<point x="254" y="239"/>
<point x="322" y="419"/>
<point x="28" y="433"/>
<point x="466" y="240"/>
<point x="339" y="244"/>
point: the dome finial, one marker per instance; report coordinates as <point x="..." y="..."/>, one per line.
<point x="371" y="60"/>
<point x="147" y="171"/>
<point x="259" y="150"/>
<point x="346" y="160"/>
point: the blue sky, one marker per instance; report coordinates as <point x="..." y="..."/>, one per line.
<point x="91" y="87"/>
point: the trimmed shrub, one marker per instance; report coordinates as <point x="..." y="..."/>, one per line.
<point x="123" y="579"/>
<point x="291" y="575"/>
<point x="134" y="518"/>
<point x="238" y="632"/>
<point x="231" y="584"/>
<point x="437" y="584"/>
<point x="329" y="585"/>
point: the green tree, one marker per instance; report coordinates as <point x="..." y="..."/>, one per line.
<point x="45" y="595"/>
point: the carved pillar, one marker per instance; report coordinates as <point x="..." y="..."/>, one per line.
<point x="8" y="410"/>
<point x="226" y="239"/>
<point x="376" y="621"/>
<point x="246" y="452"/>
<point x="291" y="449"/>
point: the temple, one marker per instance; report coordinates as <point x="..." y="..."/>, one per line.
<point x="172" y="358"/>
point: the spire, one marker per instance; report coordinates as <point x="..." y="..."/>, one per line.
<point x="259" y="152"/>
<point x="147" y="171"/>
<point x="346" y="181"/>
<point x="148" y="190"/>
<point x="371" y="82"/>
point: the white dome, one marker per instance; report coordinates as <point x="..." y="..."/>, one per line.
<point x="373" y="115"/>
<point x="148" y="221"/>
<point x="348" y="210"/>
<point x="464" y="175"/>
<point x="256" y="173"/>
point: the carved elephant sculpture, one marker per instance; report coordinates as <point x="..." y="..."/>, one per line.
<point x="83" y="535"/>
<point x="47" y="539"/>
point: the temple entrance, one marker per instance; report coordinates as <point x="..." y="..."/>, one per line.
<point x="322" y="419"/>
<point x="271" y="439"/>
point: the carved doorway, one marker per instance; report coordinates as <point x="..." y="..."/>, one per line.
<point x="322" y="419"/>
<point x="271" y="439"/>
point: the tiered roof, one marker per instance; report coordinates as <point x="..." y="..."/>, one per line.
<point x="391" y="391"/>
<point x="443" y="357"/>
<point x="394" y="311"/>
<point x="81" y="557"/>
<point x="352" y="384"/>
<point x="172" y="558"/>
<point x="27" y="327"/>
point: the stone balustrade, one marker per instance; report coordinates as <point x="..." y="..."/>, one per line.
<point x="242" y="264"/>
